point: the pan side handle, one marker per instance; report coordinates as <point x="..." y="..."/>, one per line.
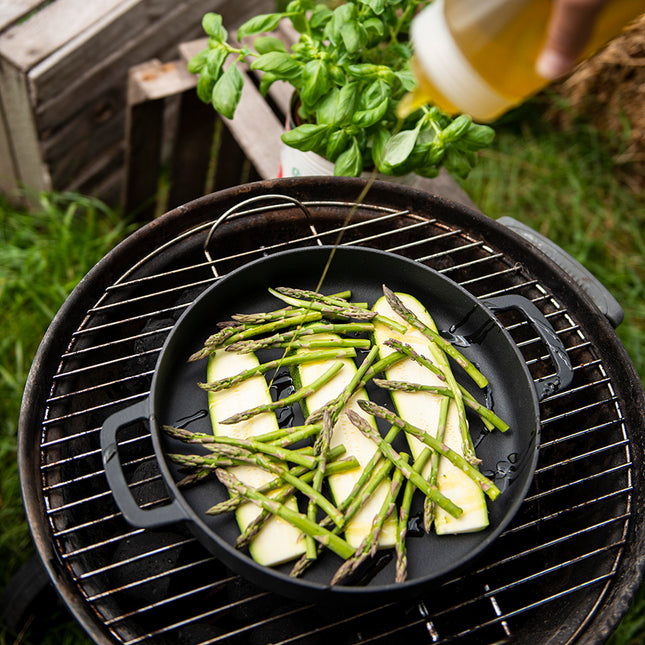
<point x="588" y="282"/>
<point x="548" y="385"/>
<point x="133" y="513"/>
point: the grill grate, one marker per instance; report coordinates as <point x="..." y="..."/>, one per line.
<point x="161" y="586"/>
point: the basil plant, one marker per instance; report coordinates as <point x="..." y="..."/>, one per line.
<point x="349" y="69"/>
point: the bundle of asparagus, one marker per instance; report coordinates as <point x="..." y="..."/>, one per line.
<point x="356" y="489"/>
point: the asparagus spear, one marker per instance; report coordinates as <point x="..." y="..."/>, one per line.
<point x="300" y="521"/>
<point x="404" y="515"/>
<point x="358" y="313"/>
<point x="484" y="483"/>
<point x="336" y="405"/>
<point x="321" y="450"/>
<point x="251" y="445"/>
<point x="353" y="504"/>
<point x="288" y="400"/>
<point x="481" y="410"/>
<point x="262" y="368"/>
<point x="428" y="504"/>
<point x="284" y="338"/>
<point x="370" y="543"/>
<point x="412" y="319"/>
<point x="338" y="466"/>
<point x="245" y="332"/>
<point x="398" y="462"/>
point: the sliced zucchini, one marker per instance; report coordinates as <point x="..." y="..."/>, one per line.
<point x="278" y="541"/>
<point x="356" y="444"/>
<point x="421" y="409"/>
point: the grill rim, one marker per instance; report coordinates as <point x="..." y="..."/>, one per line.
<point x="143" y="241"/>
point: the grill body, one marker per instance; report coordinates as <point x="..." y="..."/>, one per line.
<point x="563" y="572"/>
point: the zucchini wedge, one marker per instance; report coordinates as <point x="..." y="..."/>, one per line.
<point x="421" y="409"/>
<point x="278" y="541"/>
<point x="356" y="444"/>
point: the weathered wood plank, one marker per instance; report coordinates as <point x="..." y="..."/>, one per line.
<point x="13" y="10"/>
<point x="16" y="105"/>
<point x="144" y="135"/>
<point x="8" y="175"/>
<point x="27" y="43"/>
<point x="191" y="155"/>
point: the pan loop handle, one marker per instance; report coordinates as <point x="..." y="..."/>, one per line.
<point x="133" y="513"/>
<point x="248" y="202"/>
<point x="548" y="385"/>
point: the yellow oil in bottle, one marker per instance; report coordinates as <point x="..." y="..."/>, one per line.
<point x="479" y="56"/>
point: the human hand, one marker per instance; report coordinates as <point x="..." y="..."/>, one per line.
<point x="570" y="27"/>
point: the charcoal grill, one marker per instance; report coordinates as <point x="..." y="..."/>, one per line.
<point x="563" y="572"/>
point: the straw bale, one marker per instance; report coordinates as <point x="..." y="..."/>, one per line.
<point x="608" y="90"/>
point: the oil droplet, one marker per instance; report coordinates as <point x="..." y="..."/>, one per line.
<point x="182" y="423"/>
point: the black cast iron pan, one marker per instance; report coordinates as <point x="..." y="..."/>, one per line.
<point x="176" y="400"/>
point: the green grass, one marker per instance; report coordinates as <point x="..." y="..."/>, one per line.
<point x="43" y="255"/>
<point x="563" y="184"/>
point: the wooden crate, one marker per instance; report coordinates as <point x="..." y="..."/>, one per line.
<point x="63" y="83"/>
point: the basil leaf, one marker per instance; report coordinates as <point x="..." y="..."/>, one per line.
<point x="212" y="26"/>
<point x="308" y="136"/>
<point x="205" y="86"/>
<point x="456" y="163"/>
<point x="366" y="118"/>
<point x="337" y="142"/>
<point x="315" y="82"/>
<point x="457" y="128"/>
<point x="279" y="63"/>
<point x="266" y="44"/>
<point x="320" y="16"/>
<point x="228" y="91"/>
<point x="400" y="146"/>
<point x="478" y="136"/>
<point x="198" y="61"/>
<point x="266" y="81"/>
<point x="363" y="70"/>
<point x="353" y="35"/>
<point x="376" y="93"/>
<point x="379" y="141"/>
<point x="215" y="60"/>
<point x="258" y="24"/>
<point x="341" y="16"/>
<point x="349" y="162"/>
<point x="346" y="102"/>
<point x="377" y="6"/>
<point x="337" y="106"/>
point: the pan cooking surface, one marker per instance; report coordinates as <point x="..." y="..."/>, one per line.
<point x="508" y="458"/>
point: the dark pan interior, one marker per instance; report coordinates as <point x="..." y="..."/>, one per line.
<point x="509" y="458"/>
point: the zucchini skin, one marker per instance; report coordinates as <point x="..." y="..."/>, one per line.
<point x="356" y="444"/>
<point x="278" y="541"/>
<point x="421" y="409"/>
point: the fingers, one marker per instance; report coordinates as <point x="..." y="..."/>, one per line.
<point x="570" y="27"/>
